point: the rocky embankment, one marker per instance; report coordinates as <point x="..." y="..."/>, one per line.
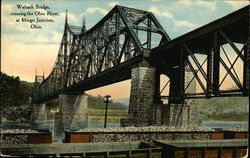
<point x="19" y="131"/>
<point x="237" y="129"/>
<point x="151" y="133"/>
<point x="149" y="129"/>
<point x="16" y="136"/>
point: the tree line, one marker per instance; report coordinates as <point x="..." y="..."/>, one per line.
<point x="13" y="91"/>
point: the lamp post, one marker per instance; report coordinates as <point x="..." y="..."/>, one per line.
<point x="106" y="110"/>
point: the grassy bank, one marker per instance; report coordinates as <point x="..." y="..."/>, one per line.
<point x="227" y="117"/>
<point x="114" y="116"/>
<point x="223" y="109"/>
<point x="111" y="112"/>
<point x="109" y="119"/>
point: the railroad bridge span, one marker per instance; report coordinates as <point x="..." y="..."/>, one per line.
<point x="129" y="43"/>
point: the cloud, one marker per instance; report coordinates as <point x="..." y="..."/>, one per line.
<point x="41" y="39"/>
<point x="185" y="2"/>
<point x="22" y="59"/>
<point x="237" y="4"/>
<point x="6" y="8"/>
<point x="202" y="3"/>
<point x="56" y="37"/>
<point x="206" y="4"/>
<point x="112" y="4"/>
<point x="157" y="12"/>
<point x="9" y="23"/>
<point x="71" y="17"/>
<point x="184" y="23"/>
<point x="170" y="16"/>
<point x="96" y="9"/>
<point x="154" y="10"/>
<point x="167" y="15"/>
<point x="34" y="38"/>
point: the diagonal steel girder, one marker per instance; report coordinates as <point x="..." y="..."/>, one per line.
<point x="198" y="65"/>
<point x="234" y="47"/>
<point x="231" y="74"/>
<point x="196" y="72"/>
<point x="231" y="67"/>
<point x="196" y="75"/>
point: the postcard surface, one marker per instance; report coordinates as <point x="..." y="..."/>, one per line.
<point x="147" y="65"/>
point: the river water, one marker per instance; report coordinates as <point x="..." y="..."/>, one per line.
<point x="224" y="124"/>
<point x="99" y="124"/>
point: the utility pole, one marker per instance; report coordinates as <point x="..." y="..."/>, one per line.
<point x="106" y="110"/>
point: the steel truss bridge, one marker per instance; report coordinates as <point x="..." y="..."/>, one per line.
<point x="107" y="52"/>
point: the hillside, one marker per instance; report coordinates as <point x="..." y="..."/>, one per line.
<point x="98" y="103"/>
<point x="124" y="101"/>
<point x="16" y="96"/>
<point x="228" y="109"/>
<point x="13" y="91"/>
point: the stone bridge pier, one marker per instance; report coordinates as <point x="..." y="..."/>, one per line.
<point x="145" y="106"/>
<point x="72" y="114"/>
<point x="142" y="95"/>
<point x="38" y="109"/>
<point x="39" y="114"/>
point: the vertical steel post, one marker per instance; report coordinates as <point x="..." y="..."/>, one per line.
<point x="149" y="35"/>
<point x="177" y="80"/>
<point x="247" y="54"/>
<point x="209" y="72"/>
<point x="116" y="51"/>
<point x="128" y="47"/>
<point x="182" y="74"/>
<point x="157" y="98"/>
<point x="65" y="36"/>
<point x="106" y="109"/>
<point x="245" y="71"/>
<point x="216" y="64"/>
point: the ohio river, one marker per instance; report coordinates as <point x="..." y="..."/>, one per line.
<point x="99" y="124"/>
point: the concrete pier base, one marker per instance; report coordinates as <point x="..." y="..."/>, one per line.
<point x="72" y="114"/>
<point x="158" y="114"/>
<point x="39" y="113"/>
<point x="175" y="114"/>
<point x="141" y="96"/>
<point x="59" y="131"/>
<point x="178" y="114"/>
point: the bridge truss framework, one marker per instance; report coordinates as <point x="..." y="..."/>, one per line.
<point x="107" y="52"/>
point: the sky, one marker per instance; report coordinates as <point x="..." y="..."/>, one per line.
<point x="25" y="50"/>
